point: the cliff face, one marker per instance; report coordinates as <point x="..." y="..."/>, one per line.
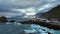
<point x="53" y="13"/>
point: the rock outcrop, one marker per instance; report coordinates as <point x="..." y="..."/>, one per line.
<point x="41" y="23"/>
<point x="12" y="21"/>
<point x="3" y="19"/>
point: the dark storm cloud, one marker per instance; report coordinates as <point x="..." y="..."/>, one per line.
<point x="11" y="8"/>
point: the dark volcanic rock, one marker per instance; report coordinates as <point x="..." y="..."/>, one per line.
<point x="3" y="19"/>
<point x="44" y="24"/>
<point x="12" y="21"/>
<point x="49" y="33"/>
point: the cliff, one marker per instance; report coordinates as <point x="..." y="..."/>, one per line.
<point x="53" y="13"/>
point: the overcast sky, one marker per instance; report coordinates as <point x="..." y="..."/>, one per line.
<point x="12" y="8"/>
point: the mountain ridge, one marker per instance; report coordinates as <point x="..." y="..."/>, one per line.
<point x="53" y="13"/>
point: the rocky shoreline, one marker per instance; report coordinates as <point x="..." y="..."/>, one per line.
<point x="42" y="23"/>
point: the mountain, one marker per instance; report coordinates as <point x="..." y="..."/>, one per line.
<point x="53" y="13"/>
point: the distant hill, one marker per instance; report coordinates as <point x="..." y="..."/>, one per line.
<point x="53" y="13"/>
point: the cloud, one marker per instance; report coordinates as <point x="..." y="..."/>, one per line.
<point x="25" y="3"/>
<point x="21" y="7"/>
<point x="19" y="3"/>
<point x="25" y="10"/>
<point x="8" y="15"/>
<point x="46" y="7"/>
<point x="8" y="4"/>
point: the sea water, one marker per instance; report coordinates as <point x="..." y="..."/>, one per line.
<point x="18" y="28"/>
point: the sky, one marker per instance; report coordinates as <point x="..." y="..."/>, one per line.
<point x="11" y="8"/>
